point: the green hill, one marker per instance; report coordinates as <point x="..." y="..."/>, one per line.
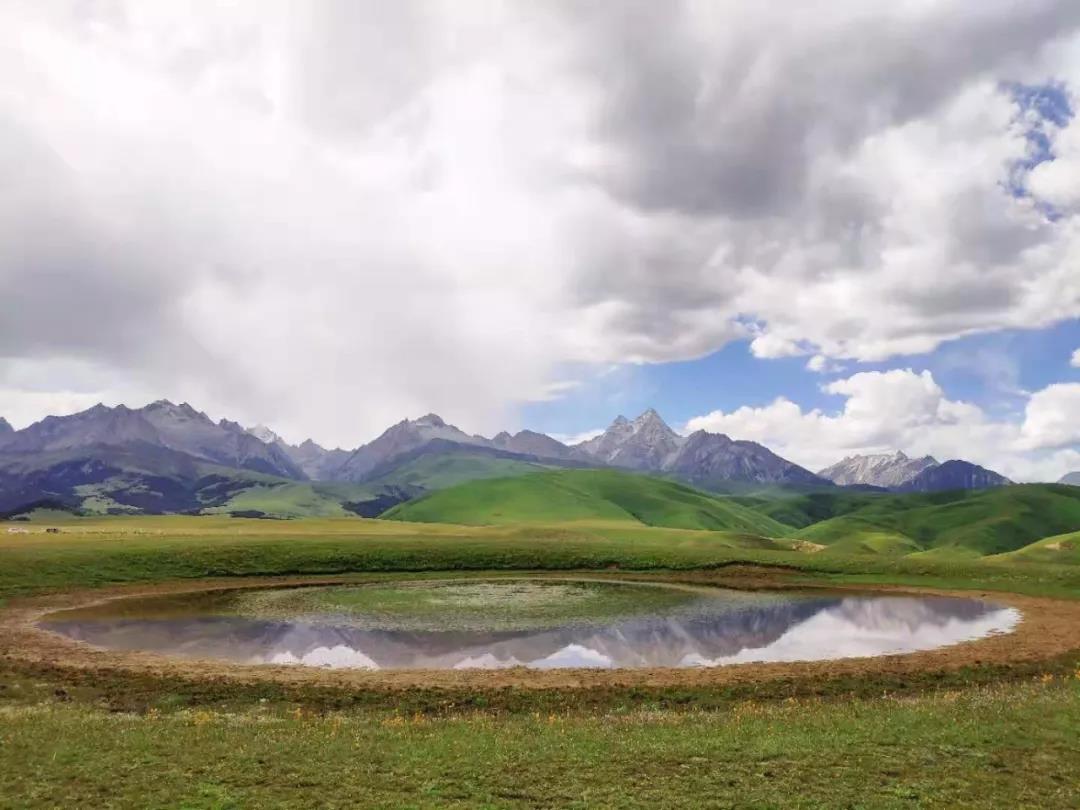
<point x="441" y="470"/>
<point x="578" y="495"/>
<point x="952" y="524"/>
<point x="1060" y="548"/>
<point x="294" y="499"/>
<point x="802" y="510"/>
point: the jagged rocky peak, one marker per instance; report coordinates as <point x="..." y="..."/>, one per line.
<point x="182" y="411"/>
<point x="647" y="443"/>
<point x="430" y="420"/>
<point x="531" y="443"/>
<point x="5" y="426"/>
<point x="888" y="470"/>
<point x="265" y="434"/>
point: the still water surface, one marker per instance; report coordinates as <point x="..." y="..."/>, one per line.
<point x="714" y="628"/>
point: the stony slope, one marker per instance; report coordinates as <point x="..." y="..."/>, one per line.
<point x="887" y="470"/>
<point x="705" y="459"/>
<point x="954" y="474"/>
<point x="179" y="428"/>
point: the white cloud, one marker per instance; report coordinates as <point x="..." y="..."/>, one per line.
<point x="327" y="216"/>
<point x="901" y="409"/>
<point x="1076" y="359"/>
<point x="1052" y="417"/>
<point x="577" y="438"/>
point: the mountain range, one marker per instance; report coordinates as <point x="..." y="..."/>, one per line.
<point x="165" y="457"/>
<point x="897" y="472"/>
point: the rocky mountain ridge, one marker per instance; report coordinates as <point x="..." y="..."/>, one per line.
<point x="648" y="444"/>
<point x="954" y="474"/>
<point x="163" y="447"/>
<point x="887" y="470"/>
<point x="161" y="424"/>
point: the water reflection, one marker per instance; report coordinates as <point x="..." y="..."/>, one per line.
<point x="795" y="630"/>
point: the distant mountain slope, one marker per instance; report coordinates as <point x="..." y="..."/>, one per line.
<point x="883" y="470"/>
<point x="5" y="426"/>
<point x="958" y="522"/>
<point x="159" y="458"/>
<point x="295" y="499"/>
<point x="712" y="459"/>
<point x="316" y="462"/>
<point x="437" y="466"/>
<point x="1072" y="479"/>
<point x="570" y="495"/>
<point x="531" y="443"/>
<point x="954" y="474"/>
<point x="405" y="436"/>
<point x="705" y="459"/>
<point x="133" y="477"/>
<point x="178" y="428"/>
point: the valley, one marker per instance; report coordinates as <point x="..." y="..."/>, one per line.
<point x="169" y="584"/>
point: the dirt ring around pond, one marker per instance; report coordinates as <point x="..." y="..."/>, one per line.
<point x="1048" y="629"/>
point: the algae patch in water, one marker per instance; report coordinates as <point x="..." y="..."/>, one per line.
<point x="504" y="605"/>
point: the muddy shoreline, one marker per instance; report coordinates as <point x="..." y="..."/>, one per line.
<point x="1048" y="629"/>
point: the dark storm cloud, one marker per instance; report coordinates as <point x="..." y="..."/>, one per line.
<point x="715" y="113"/>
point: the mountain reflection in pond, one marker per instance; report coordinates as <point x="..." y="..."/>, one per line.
<point x="715" y="632"/>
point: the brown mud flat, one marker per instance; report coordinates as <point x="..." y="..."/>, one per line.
<point x="1048" y="635"/>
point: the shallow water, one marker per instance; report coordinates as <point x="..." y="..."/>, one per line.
<point x="713" y="628"/>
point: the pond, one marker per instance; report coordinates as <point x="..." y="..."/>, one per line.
<point x="535" y="623"/>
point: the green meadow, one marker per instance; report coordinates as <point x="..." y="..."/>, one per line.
<point x="986" y="736"/>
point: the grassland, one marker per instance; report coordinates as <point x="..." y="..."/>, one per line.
<point x="989" y="747"/>
<point x="441" y="470"/>
<point x="985" y="736"/>
<point x="291" y="499"/>
<point x="574" y="495"/>
<point x="955" y="524"/>
<point x="124" y="549"/>
<point x="948" y="525"/>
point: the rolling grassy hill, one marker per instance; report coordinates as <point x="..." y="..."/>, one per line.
<point x="805" y="509"/>
<point x="577" y="495"/>
<point x="442" y="470"/>
<point x="1060" y="548"/>
<point x="423" y="473"/>
<point x="954" y="524"/>
<point x="299" y="499"/>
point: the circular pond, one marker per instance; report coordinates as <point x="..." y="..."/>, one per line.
<point x="536" y="623"/>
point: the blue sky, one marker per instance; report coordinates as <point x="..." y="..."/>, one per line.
<point x="992" y="370"/>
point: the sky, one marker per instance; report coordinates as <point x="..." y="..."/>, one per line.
<point x="832" y="228"/>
